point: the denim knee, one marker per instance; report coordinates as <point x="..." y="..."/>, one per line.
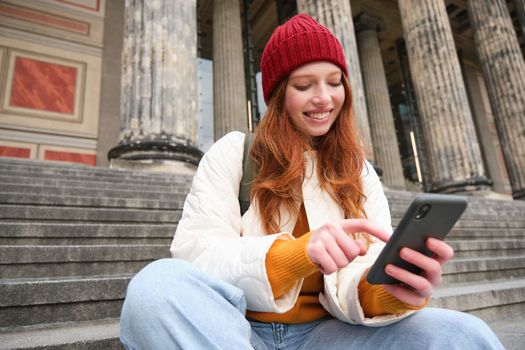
<point x="149" y="288"/>
<point x="459" y="329"/>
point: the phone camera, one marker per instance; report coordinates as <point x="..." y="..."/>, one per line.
<point x="422" y="211"/>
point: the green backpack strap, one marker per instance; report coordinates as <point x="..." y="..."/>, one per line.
<point x="245" y="186"/>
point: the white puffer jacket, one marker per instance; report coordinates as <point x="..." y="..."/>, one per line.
<point x="212" y="235"/>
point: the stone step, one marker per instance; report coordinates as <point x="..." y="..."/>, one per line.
<point x="92" y="335"/>
<point x="486" y="234"/>
<point x="490" y="209"/>
<point x="480" y="215"/>
<point x="38" y="232"/>
<point x="93" y="199"/>
<point x="27" y="302"/>
<point x="82" y="214"/>
<point x="76" y="260"/>
<point x="487" y="248"/>
<point x="94" y="190"/>
<point x="477" y="205"/>
<point x="151" y="200"/>
<point x="6" y="162"/>
<point x="497" y="227"/>
<point x="127" y="179"/>
<point x="15" y="232"/>
<point x="59" y="182"/>
<point x="51" y="212"/>
<point x="463" y="270"/>
<point x="104" y="334"/>
<point x="104" y="174"/>
<point x="488" y="300"/>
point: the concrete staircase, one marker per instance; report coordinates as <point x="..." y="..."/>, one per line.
<point x="71" y="237"/>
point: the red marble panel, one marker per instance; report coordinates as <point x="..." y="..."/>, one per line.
<point x="40" y="17"/>
<point x="74" y="3"/>
<point x="16" y="152"/>
<point x="89" y="159"/>
<point x="43" y="86"/>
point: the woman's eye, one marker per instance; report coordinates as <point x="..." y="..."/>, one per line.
<point x="338" y="83"/>
<point x="302" y="87"/>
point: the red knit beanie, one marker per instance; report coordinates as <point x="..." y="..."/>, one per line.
<point x="299" y="41"/>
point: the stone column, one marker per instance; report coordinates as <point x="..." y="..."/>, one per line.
<point x="380" y="115"/>
<point x="229" y="87"/>
<point x="158" y="84"/>
<point x="486" y="129"/>
<point x="504" y="71"/>
<point x="336" y="15"/>
<point x="454" y="155"/>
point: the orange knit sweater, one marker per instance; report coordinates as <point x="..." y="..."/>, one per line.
<point x="287" y="261"/>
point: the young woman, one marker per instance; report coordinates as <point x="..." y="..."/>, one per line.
<point x="291" y="272"/>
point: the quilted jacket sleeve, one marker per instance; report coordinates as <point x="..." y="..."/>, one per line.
<point x="341" y="293"/>
<point x="209" y="231"/>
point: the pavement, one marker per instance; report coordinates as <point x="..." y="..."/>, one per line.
<point x="511" y="331"/>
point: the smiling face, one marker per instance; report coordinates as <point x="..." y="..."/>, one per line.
<point x="314" y="97"/>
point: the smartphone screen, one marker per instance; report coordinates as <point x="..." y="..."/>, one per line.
<point x="429" y="215"/>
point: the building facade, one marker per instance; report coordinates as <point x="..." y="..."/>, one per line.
<point x="438" y="86"/>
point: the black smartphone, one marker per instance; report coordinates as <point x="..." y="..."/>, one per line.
<point x="429" y="215"/>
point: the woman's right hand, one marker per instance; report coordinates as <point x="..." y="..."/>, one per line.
<point x="332" y="247"/>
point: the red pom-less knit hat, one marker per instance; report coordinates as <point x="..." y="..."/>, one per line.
<point x="299" y="41"/>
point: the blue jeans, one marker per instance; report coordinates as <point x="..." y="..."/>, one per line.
<point x="170" y="304"/>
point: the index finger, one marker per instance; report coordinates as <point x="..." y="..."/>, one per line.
<point x="364" y="225"/>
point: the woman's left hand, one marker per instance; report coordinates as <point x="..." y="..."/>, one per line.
<point x="416" y="289"/>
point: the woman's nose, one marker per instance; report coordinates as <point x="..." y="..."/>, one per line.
<point x="322" y="95"/>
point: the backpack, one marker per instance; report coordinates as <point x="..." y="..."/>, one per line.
<point x="245" y="186"/>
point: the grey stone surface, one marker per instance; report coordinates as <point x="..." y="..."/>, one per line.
<point x="77" y="253"/>
<point x="504" y="70"/>
<point x="487" y="133"/>
<point x="61" y="290"/>
<point x="490" y="294"/>
<point x="380" y="116"/>
<point x="71" y="233"/>
<point x="454" y="155"/>
<point x="511" y="331"/>
<point x="477" y="248"/>
<point x="159" y="72"/>
<point x="83" y="268"/>
<point x="125" y="178"/>
<point x="104" y="335"/>
<point x="166" y="194"/>
<point x="336" y="15"/>
<point x="39" y="315"/>
<point x="230" y="108"/>
<point x="61" y="168"/>
<point x="71" y="336"/>
<point x="95" y="199"/>
<point x="140" y="186"/>
<point x="79" y="174"/>
<point x="23" y="261"/>
<point x="39" y="212"/>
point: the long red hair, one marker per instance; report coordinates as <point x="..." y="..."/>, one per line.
<point x="278" y="153"/>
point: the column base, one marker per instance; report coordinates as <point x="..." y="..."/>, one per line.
<point x="520" y="194"/>
<point x="473" y="184"/>
<point x="487" y="194"/>
<point x="161" y="166"/>
<point x="156" y="151"/>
